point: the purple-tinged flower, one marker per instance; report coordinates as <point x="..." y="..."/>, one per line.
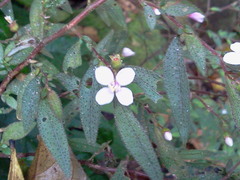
<point x="104" y="76"/>
<point x="233" y="57"/>
<point x="168" y="135"/>
<point x="196" y="16"/>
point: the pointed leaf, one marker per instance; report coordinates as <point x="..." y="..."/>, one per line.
<point x="81" y="145"/>
<point x="90" y="111"/>
<point x="180" y="8"/>
<point x="150" y="16"/>
<point x="53" y="135"/>
<point x="8" y="10"/>
<point x="196" y="51"/>
<point x="147" y="80"/>
<point x="137" y="142"/>
<point x="37" y="19"/>
<point x="234" y="99"/>
<point x="14" y="131"/>
<point x="119" y="174"/>
<point x="73" y="58"/>
<point x="177" y="88"/>
<point x="55" y="104"/>
<point x="15" y="172"/>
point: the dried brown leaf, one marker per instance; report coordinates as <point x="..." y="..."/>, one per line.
<point x="15" y="172"/>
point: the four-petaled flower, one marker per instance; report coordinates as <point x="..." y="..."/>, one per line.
<point x="233" y="57"/>
<point x="105" y="76"/>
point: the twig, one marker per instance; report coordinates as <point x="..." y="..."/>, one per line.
<point x="3" y="3"/>
<point x="231" y="171"/>
<point x="206" y="79"/>
<point x="45" y="41"/>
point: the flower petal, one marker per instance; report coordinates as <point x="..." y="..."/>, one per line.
<point x="104" y="75"/>
<point x="125" y="76"/>
<point x="235" y="47"/>
<point x="232" y="58"/>
<point x="125" y="96"/>
<point x="126" y="52"/>
<point x="196" y="16"/>
<point x="104" y="96"/>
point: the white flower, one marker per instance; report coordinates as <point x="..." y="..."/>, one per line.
<point x="126" y="52"/>
<point x="224" y="111"/>
<point x="229" y="141"/>
<point x="196" y="16"/>
<point x="104" y="76"/>
<point x="156" y="11"/>
<point x="168" y="135"/>
<point x="233" y="57"/>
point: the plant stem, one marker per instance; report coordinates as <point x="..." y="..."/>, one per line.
<point x="3" y="3"/>
<point x="45" y="41"/>
<point x="231" y="171"/>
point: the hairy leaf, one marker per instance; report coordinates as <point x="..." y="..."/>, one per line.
<point x="81" y="145"/>
<point x="20" y="56"/>
<point x="37" y="19"/>
<point x="55" y="104"/>
<point x="54" y="137"/>
<point x="177" y="88"/>
<point x="110" y="10"/>
<point x="180" y="8"/>
<point x="90" y="111"/>
<point x="70" y="111"/>
<point x="73" y="58"/>
<point x="196" y="51"/>
<point x="149" y="16"/>
<point x="15" y="131"/>
<point x="137" y="142"/>
<point x="119" y="174"/>
<point x="147" y="80"/>
<point x="234" y="99"/>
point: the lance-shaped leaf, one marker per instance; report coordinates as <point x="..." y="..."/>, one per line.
<point x="196" y="51"/>
<point x="63" y="4"/>
<point x="90" y="111"/>
<point x="15" y="131"/>
<point x="234" y="100"/>
<point x="30" y="102"/>
<point x="110" y="10"/>
<point x="147" y="80"/>
<point x="15" y="172"/>
<point x="54" y="137"/>
<point x="177" y="88"/>
<point x="137" y="142"/>
<point x="169" y="156"/>
<point x="150" y="16"/>
<point x="73" y="58"/>
<point x="119" y="174"/>
<point x="180" y="8"/>
<point x="55" y="104"/>
<point x="37" y="19"/>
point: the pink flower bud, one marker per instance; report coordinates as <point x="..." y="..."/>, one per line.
<point x="168" y="135"/>
<point x="229" y="141"/>
<point x="126" y="52"/>
<point x="196" y="16"/>
<point x="156" y="11"/>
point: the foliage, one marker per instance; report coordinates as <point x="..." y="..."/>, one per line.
<point x="167" y="55"/>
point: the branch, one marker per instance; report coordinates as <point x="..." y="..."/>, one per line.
<point x="45" y="41"/>
<point x="231" y="171"/>
<point x="3" y="3"/>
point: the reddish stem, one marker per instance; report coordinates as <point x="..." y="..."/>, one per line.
<point x="3" y="3"/>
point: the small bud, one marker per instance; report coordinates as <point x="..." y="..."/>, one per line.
<point x="126" y="52"/>
<point x="167" y="135"/>
<point x="116" y="61"/>
<point x="14" y="26"/>
<point x="224" y="111"/>
<point x="229" y="141"/>
<point x="196" y="16"/>
<point x="156" y="11"/>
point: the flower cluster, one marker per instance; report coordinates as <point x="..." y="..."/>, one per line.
<point x="105" y="76"/>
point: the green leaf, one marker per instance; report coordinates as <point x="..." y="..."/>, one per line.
<point x="15" y="131"/>
<point x="37" y="19"/>
<point x="73" y="58"/>
<point x="180" y="8"/>
<point x="149" y="16"/>
<point x="147" y="80"/>
<point x="137" y="142"/>
<point x="20" y="56"/>
<point x="101" y="46"/>
<point x="90" y="111"/>
<point x="234" y="100"/>
<point x="71" y="83"/>
<point x="70" y="111"/>
<point x="48" y="67"/>
<point x="8" y="10"/>
<point x="1" y="54"/>
<point x="177" y="88"/>
<point x="196" y="51"/>
<point x="9" y="100"/>
<point x="119" y="174"/>
<point x="81" y="145"/>
<point x="55" y="104"/>
<point x="111" y="10"/>
<point x="54" y="137"/>
<point x="169" y="156"/>
<point x="21" y="92"/>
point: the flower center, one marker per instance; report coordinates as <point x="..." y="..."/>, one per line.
<point x="114" y="86"/>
